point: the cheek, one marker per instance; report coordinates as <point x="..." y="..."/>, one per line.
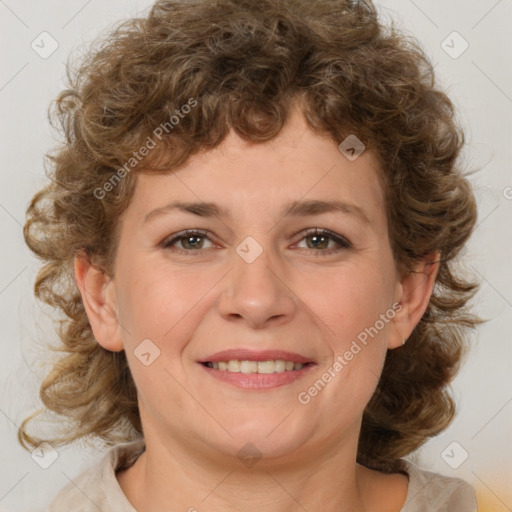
<point x="351" y="302"/>
<point x="161" y="304"/>
<point x="353" y="310"/>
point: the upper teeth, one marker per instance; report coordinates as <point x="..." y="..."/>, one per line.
<point x="276" y="366"/>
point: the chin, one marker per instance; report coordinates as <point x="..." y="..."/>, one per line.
<point x="266" y="438"/>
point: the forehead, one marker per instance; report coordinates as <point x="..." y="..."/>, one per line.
<point x="298" y="164"/>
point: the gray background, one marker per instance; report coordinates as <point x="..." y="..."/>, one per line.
<point x="479" y="81"/>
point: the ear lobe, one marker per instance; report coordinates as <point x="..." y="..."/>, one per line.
<point x="98" y="297"/>
<point x="416" y="289"/>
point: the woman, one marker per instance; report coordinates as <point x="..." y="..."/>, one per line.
<point x="260" y="205"/>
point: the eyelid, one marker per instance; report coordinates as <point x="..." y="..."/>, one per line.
<point x="175" y="237"/>
<point x="341" y="240"/>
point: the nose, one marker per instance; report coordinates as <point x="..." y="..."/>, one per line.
<point x="257" y="293"/>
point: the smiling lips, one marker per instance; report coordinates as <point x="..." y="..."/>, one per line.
<point x="249" y="369"/>
<point x="241" y="354"/>
<point x="243" y="366"/>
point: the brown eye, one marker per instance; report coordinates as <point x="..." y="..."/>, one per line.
<point x="190" y="241"/>
<point x="320" y="240"/>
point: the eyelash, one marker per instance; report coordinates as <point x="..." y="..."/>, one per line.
<point x="341" y="241"/>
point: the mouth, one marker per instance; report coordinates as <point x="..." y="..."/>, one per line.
<point x="262" y="367"/>
<point x="260" y="370"/>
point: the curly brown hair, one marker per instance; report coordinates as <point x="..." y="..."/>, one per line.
<point x="245" y="64"/>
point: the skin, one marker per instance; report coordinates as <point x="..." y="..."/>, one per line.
<point x="193" y="304"/>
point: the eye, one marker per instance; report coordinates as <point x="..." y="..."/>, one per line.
<point x="320" y="239"/>
<point x="190" y="240"/>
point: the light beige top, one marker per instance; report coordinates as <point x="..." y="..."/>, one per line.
<point x="97" y="489"/>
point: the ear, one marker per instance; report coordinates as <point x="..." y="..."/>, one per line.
<point x="98" y="297"/>
<point x="413" y="293"/>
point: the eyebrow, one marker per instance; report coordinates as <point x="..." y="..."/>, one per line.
<point x="292" y="209"/>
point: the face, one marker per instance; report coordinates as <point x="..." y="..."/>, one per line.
<point x="264" y="281"/>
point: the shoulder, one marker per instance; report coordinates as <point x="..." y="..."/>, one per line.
<point x="97" y="487"/>
<point x="429" y="491"/>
